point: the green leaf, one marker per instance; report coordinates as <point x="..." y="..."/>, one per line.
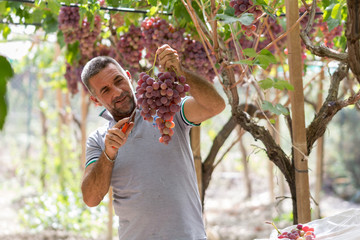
<point x="282" y="109"/>
<point x="152" y="2"/>
<point x="269" y="107"/>
<point x="229" y="11"/>
<point x="72" y="52"/>
<point x="333" y="23"/>
<point x="282" y="84"/>
<point x="50" y="23"/>
<point x="3" y="7"/>
<point x="266" y="83"/>
<point x="328" y="11"/>
<point x="250" y="52"/>
<point x="153" y="11"/>
<point x="244" y="61"/>
<point x="260" y="2"/>
<point x="245" y="19"/>
<point x="6" y="72"/>
<point x="6" y="31"/>
<point x="336" y="11"/>
<point x="54" y="5"/>
<point x="265" y="58"/>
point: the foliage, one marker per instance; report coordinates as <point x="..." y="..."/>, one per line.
<point x="6" y="72"/>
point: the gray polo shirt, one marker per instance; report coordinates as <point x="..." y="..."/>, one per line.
<point x="154" y="185"/>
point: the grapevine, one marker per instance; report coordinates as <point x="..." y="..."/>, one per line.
<point x="159" y="98"/>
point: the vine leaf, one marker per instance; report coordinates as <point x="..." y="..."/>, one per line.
<point x="278" y="109"/>
<point x="245" y="18"/>
<point x="6" y="72"/>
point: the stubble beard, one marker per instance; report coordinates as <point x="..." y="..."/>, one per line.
<point x="119" y="113"/>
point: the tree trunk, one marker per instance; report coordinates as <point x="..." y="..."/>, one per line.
<point x="302" y="194"/>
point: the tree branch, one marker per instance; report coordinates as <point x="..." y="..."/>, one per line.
<point x="329" y="108"/>
<point x="273" y="150"/>
<point x="321" y="50"/>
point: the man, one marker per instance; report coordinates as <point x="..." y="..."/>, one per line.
<point x="154" y="185"/>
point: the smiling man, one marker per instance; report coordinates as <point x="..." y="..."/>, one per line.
<point x="154" y="185"/>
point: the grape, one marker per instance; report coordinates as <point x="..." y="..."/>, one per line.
<point x="299" y="233"/>
<point x="159" y="100"/>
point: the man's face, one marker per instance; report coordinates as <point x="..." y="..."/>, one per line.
<point x="111" y="89"/>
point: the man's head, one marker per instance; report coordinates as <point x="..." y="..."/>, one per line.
<point x="109" y="85"/>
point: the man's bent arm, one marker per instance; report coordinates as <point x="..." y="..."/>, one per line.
<point x="96" y="181"/>
<point x="206" y="101"/>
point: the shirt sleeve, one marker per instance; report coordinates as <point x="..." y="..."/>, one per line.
<point x="93" y="149"/>
<point x="183" y="117"/>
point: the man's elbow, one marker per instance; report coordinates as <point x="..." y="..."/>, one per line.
<point x="90" y="200"/>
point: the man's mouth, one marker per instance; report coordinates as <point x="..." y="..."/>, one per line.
<point x="120" y="100"/>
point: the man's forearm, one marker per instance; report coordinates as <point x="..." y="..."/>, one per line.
<point x="96" y="181"/>
<point x="203" y="91"/>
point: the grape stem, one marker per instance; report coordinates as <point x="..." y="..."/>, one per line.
<point x="274" y="227"/>
<point x="152" y="65"/>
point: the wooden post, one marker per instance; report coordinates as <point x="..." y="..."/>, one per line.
<point x="319" y="153"/>
<point x="110" y="216"/>
<point x="84" y="113"/>
<point x="298" y="115"/>
<point x="195" y="146"/>
<point x="245" y="164"/>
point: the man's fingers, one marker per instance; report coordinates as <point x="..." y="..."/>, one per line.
<point x="161" y="49"/>
<point x="120" y="123"/>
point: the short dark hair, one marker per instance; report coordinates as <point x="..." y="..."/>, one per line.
<point x="94" y="66"/>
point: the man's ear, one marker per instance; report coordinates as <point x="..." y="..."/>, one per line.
<point x="95" y="100"/>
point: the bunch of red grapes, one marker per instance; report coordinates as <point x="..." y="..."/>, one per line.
<point x="73" y="76"/>
<point x="68" y="19"/>
<point x="88" y="36"/>
<point x="130" y="46"/>
<point x="157" y="31"/>
<point x="159" y="99"/>
<point x="195" y="59"/>
<point x="242" y="6"/>
<point x="299" y="233"/>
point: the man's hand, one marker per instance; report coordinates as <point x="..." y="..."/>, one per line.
<point x="169" y="59"/>
<point x="115" y="138"/>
